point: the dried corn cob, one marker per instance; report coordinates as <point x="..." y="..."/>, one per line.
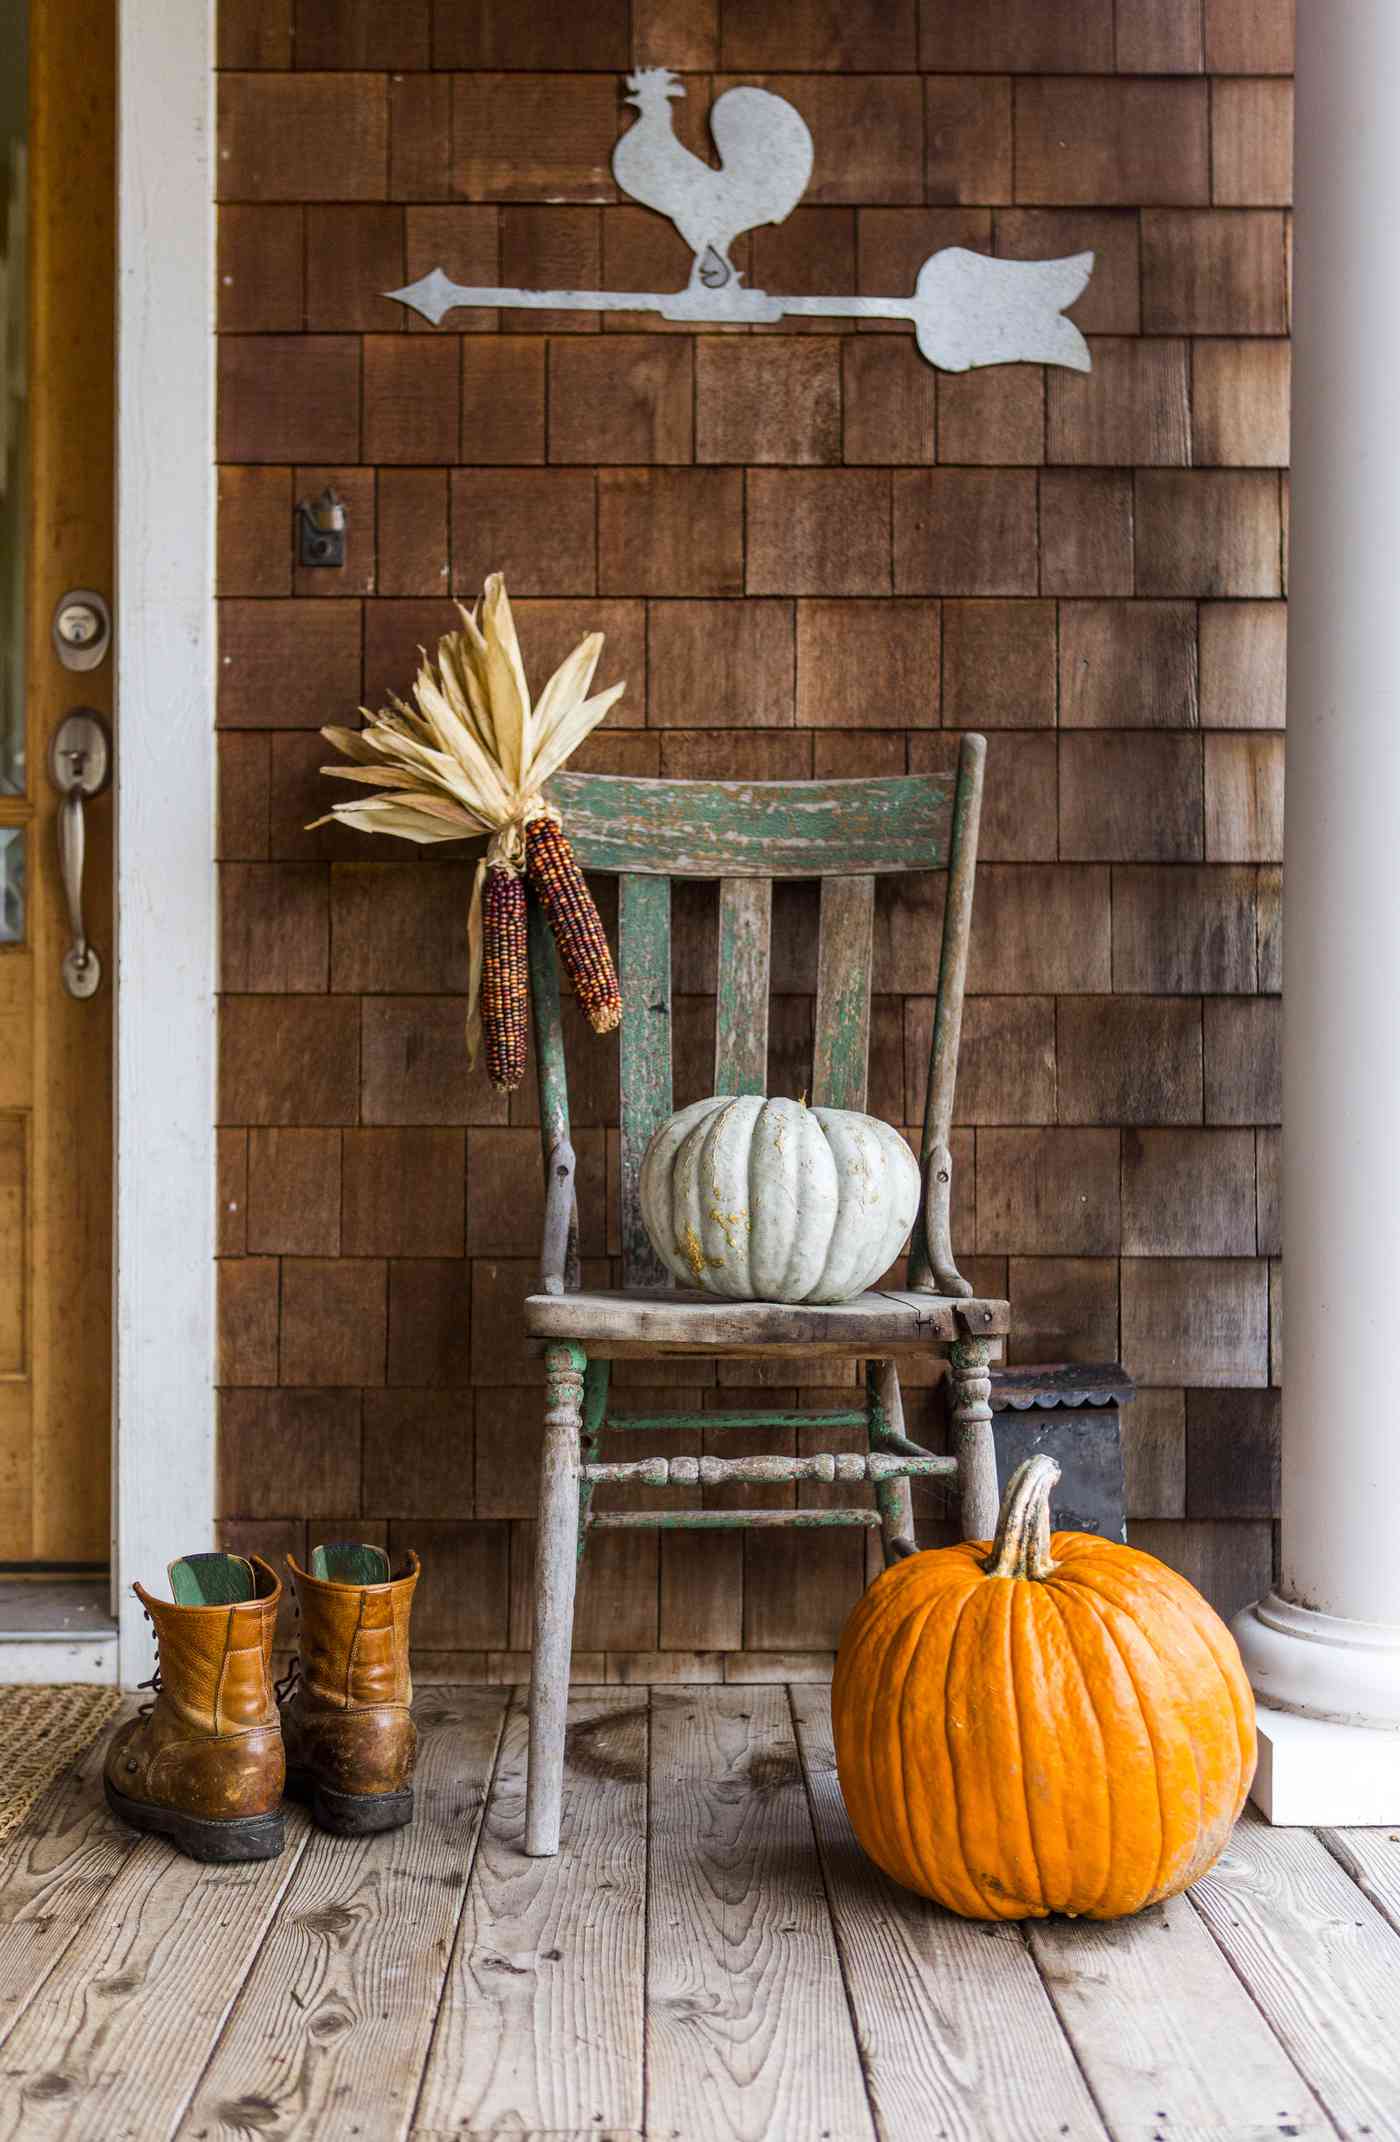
<point x="505" y="977"/>
<point x="575" y="921"/>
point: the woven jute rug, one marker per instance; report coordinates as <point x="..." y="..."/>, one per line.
<point x="42" y="1731"/>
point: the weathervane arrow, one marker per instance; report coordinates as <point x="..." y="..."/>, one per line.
<point x="967" y="308"/>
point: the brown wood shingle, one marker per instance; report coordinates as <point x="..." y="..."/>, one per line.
<point x="536" y="526"/>
<point x="303" y="137"/>
<point x="999" y="665"/>
<point x="1207" y="532"/>
<point x="888" y="397"/>
<point x="968" y="133"/>
<point x="1128" y="665"/>
<point x="859" y="36"/>
<point x="870" y="664"/>
<point x="1086" y="532"/>
<point x="1249" y="36"/>
<point x="721" y="665"/>
<point x="287" y="665"/>
<point x="964" y="532"/>
<point x="261" y="251"/>
<point x="869" y="557"/>
<point x="818" y="532"/>
<point x="289" y="398"/>
<point x="1017" y="34"/>
<point x="1134" y="407"/>
<point x="1251" y="143"/>
<point x="1101" y="142"/>
<point x="1217" y="271"/>
<point x="775" y="399"/>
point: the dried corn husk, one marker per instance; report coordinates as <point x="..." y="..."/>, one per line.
<point x="471" y="755"/>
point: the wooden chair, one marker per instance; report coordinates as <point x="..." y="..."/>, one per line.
<point x="745" y="835"/>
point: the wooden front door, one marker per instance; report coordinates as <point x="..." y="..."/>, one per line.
<point x="56" y="488"/>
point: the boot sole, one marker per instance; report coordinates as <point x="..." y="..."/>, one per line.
<point x="213" y="1839"/>
<point x="350" y="1814"/>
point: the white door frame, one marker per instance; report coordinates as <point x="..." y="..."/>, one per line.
<point x="166" y="943"/>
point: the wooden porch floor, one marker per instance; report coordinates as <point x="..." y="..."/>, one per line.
<point x="709" y="1957"/>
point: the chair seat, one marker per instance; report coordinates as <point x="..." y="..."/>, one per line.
<point x="617" y="1323"/>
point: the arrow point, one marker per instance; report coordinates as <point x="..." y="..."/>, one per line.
<point x="432" y="295"/>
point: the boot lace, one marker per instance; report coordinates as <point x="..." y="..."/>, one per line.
<point x="154" y="1684"/>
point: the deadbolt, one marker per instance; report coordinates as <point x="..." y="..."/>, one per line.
<point x="82" y="628"/>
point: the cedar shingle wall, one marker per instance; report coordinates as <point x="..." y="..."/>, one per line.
<point x="808" y="552"/>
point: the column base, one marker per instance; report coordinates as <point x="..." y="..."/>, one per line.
<point x="1321" y="1665"/>
<point x="1313" y="1771"/>
<point x="1328" y="1693"/>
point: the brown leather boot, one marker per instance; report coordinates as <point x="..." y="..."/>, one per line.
<point x="350" y="1739"/>
<point x="202" y="1764"/>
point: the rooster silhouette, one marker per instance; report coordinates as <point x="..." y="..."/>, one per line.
<point x="765" y="162"/>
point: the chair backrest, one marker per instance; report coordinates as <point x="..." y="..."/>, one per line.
<point x="746" y="834"/>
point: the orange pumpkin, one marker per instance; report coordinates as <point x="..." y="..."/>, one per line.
<point x="1059" y="1724"/>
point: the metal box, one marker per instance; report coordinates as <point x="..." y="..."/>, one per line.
<point x="1073" y="1411"/>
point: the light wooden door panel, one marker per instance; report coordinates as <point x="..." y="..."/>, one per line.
<point x="56" y="535"/>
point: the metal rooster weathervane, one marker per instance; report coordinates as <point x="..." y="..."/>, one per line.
<point x="967" y="308"/>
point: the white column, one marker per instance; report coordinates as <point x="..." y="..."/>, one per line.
<point x="1324" y="1653"/>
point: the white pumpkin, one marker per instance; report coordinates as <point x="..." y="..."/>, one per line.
<point x="773" y="1201"/>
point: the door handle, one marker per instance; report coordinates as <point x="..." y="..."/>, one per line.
<point x="80" y="766"/>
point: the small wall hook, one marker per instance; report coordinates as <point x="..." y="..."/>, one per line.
<point x="321" y="529"/>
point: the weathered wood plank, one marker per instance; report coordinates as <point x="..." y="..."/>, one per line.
<point x="615" y="1325"/>
<point x="1167" y="2036"/>
<point x="1321" y="1963"/>
<point x="540" y="2027"/>
<point x="644" y="946"/>
<point x="54" y="1873"/>
<point x="1372" y="1859"/>
<point x="956" y="2033"/>
<point x="841" y="1057"/>
<point x="771" y="829"/>
<point x="337" y="2011"/>
<point x="748" y="2033"/>
<point x="135" y="2008"/>
<point x="741" y="1006"/>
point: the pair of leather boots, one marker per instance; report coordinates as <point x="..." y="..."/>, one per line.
<point x="207" y="1762"/>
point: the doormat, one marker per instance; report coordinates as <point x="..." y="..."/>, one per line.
<point x="42" y="1731"/>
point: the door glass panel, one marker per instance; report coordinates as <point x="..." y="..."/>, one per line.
<point x="13" y="1190"/>
<point x="14" y="78"/>
<point x="11" y="885"/>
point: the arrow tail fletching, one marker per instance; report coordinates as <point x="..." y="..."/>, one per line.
<point x="969" y="309"/>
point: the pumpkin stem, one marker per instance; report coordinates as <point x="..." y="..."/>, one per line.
<point x="1022" y="1545"/>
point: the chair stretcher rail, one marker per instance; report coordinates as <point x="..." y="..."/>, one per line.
<point x="715" y="1472"/>
<point x="727" y="1520"/>
<point x="657" y="1422"/>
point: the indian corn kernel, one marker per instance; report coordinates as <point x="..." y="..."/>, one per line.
<point x="505" y="977"/>
<point x="578" y="929"/>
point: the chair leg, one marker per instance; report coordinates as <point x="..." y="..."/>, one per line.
<point x="972" y="1436"/>
<point x="893" y="1499"/>
<point x="556" y="1574"/>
